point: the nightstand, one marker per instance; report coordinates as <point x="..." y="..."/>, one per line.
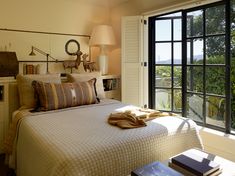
<point x="112" y="86"/>
<point x="8" y="104"/>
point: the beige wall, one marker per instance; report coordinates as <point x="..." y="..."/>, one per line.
<point x="63" y="16"/>
<point x="116" y="14"/>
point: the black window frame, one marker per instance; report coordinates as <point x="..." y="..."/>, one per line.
<point x="184" y="64"/>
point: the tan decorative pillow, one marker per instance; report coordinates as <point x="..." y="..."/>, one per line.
<point x="26" y="91"/>
<point x="81" y="77"/>
<point x="57" y="96"/>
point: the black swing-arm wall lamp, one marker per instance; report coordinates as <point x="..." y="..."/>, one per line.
<point x="43" y="53"/>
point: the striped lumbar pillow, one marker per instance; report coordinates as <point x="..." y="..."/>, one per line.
<point x="56" y="96"/>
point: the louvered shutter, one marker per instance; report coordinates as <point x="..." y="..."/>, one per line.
<point x="132" y="60"/>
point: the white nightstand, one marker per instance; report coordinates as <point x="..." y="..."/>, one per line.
<point x="112" y="86"/>
<point x="8" y="104"/>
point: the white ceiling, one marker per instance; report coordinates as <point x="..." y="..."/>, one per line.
<point x="145" y="4"/>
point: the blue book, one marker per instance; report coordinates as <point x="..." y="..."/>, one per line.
<point x="155" y="169"/>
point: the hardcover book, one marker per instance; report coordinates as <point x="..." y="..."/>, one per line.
<point x="155" y="169"/>
<point x="194" y="163"/>
<point x="185" y="172"/>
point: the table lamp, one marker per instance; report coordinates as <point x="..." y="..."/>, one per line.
<point x="102" y="36"/>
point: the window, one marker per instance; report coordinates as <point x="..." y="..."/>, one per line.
<point x="190" y="64"/>
<point x="167" y="63"/>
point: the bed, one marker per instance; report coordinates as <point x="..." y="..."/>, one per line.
<point x="78" y="141"/>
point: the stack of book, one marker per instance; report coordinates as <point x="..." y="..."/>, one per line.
<point x="155" y="169"/>
<point x="195" y="162"/>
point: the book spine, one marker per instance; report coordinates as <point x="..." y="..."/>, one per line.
<point x="134" y="174"/>
<point x="186" y="167"/>
<point x="180" y="169"/>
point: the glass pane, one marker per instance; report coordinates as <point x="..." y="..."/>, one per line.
<point x="215" y="111"/>
<point x="195" y="79"/>
<point x="163" y="53"/>
<point x="163" y="99"/>
<point x="215" y="80"/>
<point x="215" y="20"/>
<point x="195" y="23"/>
<point x="195" y="51"/>
<point x="177" y="53"/>
<point x="177" y="100"/>
<point x="177" y="76"/>
<point x="163" y="30"/>
<point x="215" y="50"/>
<point x="177" y="29"/>
<point x="195" y="107"/>
<point x="163" y="76"/>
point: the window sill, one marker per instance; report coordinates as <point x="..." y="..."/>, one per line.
<point x="218" y="142"/>
<point x="216" y="132"/>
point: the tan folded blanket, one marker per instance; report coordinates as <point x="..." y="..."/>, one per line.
<point x="13" y="130"/>
<point x="135" y="118"/>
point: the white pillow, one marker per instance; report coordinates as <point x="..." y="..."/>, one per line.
<point x="81" y="77"/>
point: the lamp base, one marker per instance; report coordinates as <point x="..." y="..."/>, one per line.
<point x="103" y="64"/>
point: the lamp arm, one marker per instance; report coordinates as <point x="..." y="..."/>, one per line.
<point x="43" y="53"/>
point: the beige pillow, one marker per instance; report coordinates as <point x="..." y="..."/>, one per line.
<point x="25" y="88"/>
<point x="82" y="77"/>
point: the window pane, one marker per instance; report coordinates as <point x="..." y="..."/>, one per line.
<point x="163" y="76"/>
<point x="163" y="99"/>
<point x="163" y="30"/>
<point x="195" y="51"/>
<point x="177" y="100"/>
<point x="215" y="111"/>
<point x="195" y="23"/>
<point x="195" y="107"/>
<point x="215" y="20"/>
<point x="163" y="53"/>
<point x="215" y="50"/>
<point x="215" y="80"/>
<point x="177" y="29"/>
<point x="177" y="77"/>
<point x="195" y="79"/>
<point x="177" y="52"/>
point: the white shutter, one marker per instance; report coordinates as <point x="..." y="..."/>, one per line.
<point x="132" y="60"/>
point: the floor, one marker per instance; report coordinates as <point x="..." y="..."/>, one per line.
<point x="4" y="170"/>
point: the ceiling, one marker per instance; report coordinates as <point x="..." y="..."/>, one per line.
<point x="143" y="4"/>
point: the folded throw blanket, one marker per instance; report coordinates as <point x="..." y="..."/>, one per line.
<point x="135" y="118"/>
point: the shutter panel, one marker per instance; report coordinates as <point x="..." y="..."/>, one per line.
<point x="132" y="58"/>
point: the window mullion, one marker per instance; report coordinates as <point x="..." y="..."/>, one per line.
<point x="228" y="69"/>
<point x="172" y="65"/>
<point x="204" y="67"/>
<point x="184" y="64"/>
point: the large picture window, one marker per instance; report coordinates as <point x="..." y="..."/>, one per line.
<point x="190" y="61"/>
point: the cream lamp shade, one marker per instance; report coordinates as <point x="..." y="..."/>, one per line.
<point x="102" y="36"/>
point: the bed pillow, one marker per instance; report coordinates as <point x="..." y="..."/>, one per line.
<point x="57" y="96"/>
<point x="80" y="77"/>
<point x="26" y="91"/>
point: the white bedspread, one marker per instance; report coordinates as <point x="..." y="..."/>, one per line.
<point x="79" y="141"/>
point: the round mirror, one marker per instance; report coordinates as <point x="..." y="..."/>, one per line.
<point x="72" y="47"/>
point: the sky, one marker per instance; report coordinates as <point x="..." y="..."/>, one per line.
<point x="163" y="33"/>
